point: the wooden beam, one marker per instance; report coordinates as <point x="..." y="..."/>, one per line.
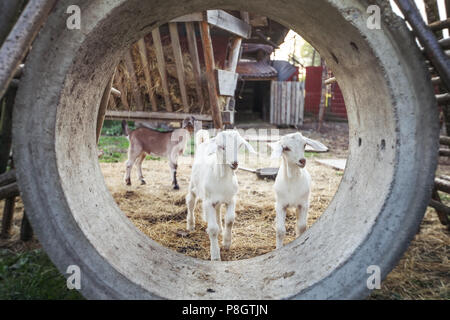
<point x="330" y="81"/>
<point x="161" y="67"/>
<point x="116" y="92"/>
<point x="444" y="140"/>
<point x="144" y="115"/>
<point x="210" y="75"/>
<point x="175" y="40"/>
<point x="7" y="219"/>
<point x="442" y="185"/>
<point x="103" y="106"/>
<point x="148" y="80"/>
<point x="192" y="17"/>
<point x="193" y="51"/>
<point x="228" y="22"/>
<point x="9" y="191"/>
<point x="439" y="25"/>
<point x="227" y="82"/>
<point x="8" y="178"/>
<point x="6" y="105"/>
<point x="136" y="92"/>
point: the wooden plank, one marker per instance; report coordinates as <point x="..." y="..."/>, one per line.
<point x="338" y="164"/>
<point x="272" y="96"/>
<point x="175" y="40"/>
<point x="7" y="219"/>
<point x="8" y="177"/>
<point x="228" y="22"/>
<point x="227" y="82"/>
<point x="192" y="17"/>
<point x="288" y="85"/>
<point x="103" y="106"/>
<point x="161" y="67"/>
<point x="283" y="102"/>
<point x="442" y="185"/>
<point x="9" y="191"/>
<point x="148" y="80"/>
<point x="193" y="51"/>
<point x="136" y="92"/>
<point x="145" y="115"/>
<point x="7" y="104"/>
<point x="210" y="75"/>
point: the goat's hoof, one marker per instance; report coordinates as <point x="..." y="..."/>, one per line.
<point x="226" y="247"/>
<point x="176" y="187"/>
<point x="143" y="182"/>
<point x="190" y="228"/>
<point x="215" y="259"/>
<point x="128" y="182"/>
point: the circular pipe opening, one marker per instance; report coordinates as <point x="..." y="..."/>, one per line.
<point x="370" y="221"/>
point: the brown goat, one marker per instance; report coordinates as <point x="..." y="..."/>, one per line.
<point x="145" y="141"/>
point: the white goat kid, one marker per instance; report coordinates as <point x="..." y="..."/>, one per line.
<point x="213" y="180"/>
<point x="293" y="183"/>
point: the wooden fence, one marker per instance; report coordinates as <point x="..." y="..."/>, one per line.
<point x="287" y="101"/>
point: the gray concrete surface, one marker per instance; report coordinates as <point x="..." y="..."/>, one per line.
<point x="371" y="220"/>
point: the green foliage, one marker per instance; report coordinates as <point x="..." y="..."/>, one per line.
<point x="307" y="53"/>
<point x="114" y="149"/>
<point x="114" y="128"/>
<point x="31" y="275"/>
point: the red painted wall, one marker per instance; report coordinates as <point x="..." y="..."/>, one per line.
<point x="313" y="88"/>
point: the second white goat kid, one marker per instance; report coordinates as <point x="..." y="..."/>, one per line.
<point x="293" y="183"/>
<point x="213" y="180"/>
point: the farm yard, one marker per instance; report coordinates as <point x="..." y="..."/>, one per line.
<point x="166" y="85"/>
<point x="160" y="213"/>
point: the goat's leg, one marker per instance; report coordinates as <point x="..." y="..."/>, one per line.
<point x="218" y="217"/>
<point x="280" y="224"/>
<point x="302" y="216"/>
<point x="212" y="230"/>
<point x="129" y="165"/>
<point x="190" y="201"/>
<point x="139" y="161"/>
<point x="173" y="170"/>
<point x="229" y="221"/>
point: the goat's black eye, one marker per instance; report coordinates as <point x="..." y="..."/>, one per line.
<point x="286" y="149"/>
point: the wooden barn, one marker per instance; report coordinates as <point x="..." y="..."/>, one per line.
<point x="214" y="65"/>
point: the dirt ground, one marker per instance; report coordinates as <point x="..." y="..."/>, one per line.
<point x="160" y="212"/>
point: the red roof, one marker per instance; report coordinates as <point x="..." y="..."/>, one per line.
<point x="259" y="70"/>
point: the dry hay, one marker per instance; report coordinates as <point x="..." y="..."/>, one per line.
<point x="172" y="79"/>
<point x="160" y="212"/>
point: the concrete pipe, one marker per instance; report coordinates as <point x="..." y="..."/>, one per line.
<point x="375" y="213"/>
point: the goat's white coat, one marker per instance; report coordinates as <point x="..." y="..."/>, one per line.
<point x="214" y="182"/>
<point x="293" y="183"/>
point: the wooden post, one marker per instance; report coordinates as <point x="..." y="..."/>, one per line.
<point x="161" y="67"/>
<point x="26" y="232"/>
<point x="193" y="51"/>
<point x="148" y="80"/>
<point x="128" y="60"/>
<point x="322" y="96"/>
<point x="175" y="40"/>
<point x="7" y="104"/>
<point x="7" y="219"/>
<point x="103" y="106"/>
<point x="210" y="75"/>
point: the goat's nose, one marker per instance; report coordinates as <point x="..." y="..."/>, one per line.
<point x="302" y="162"/>
<point x="235" y="164"/>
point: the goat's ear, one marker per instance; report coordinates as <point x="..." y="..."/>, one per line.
<point x="211" y="148"/>
<point x="319" y="146"/>
<point x="248" y="146"/>
<point x="277" y="149"/>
